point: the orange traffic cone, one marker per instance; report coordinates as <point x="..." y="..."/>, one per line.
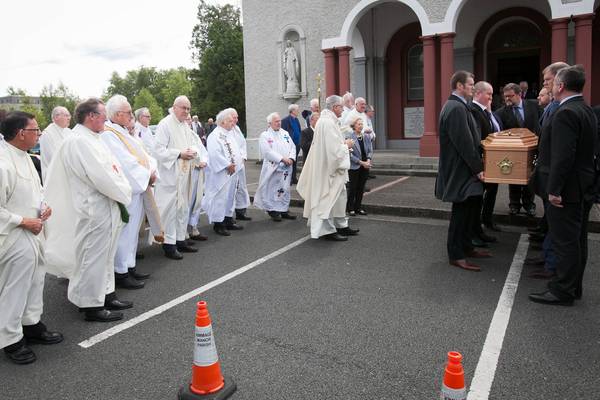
<point x="207" y="381"/>
<point x="453" y="387"/>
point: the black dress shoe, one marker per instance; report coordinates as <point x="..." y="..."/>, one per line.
<point x="20" y="354"/>
<point x="45" y="337"/>
<point x="336" y="237"/>
<point x="487" y="238"/>
<point x="275" y="216"/>
<point x="476" y="242"/>
<point x="230" y="225"/>
<point x="174" y="255"/>
<point x="138" y="275"/>
<point x="514" y="210"/>
<point x="242" y="217"/>
<point x="287" y="215"/>
<point x="492" y="227"/>
<point x="548" y="297"/>
<point x="103" y="315"/>
<point x="347" y="231"/>
<point x="199" y="237"/>
<point x="116" y="304"/>
<point x="219" y="229"/>
<point x="530" y="211"/>
<point x="184" y="247"/>
<point x="126" y="281"/>
<point x="361" y="212"/>
<point x="139" y="256"/>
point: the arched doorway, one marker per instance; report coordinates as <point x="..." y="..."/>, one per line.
<point x="512" y="45"/>
<point x="404" y="57"/>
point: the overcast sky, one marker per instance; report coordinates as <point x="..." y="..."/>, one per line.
<point x="82" y="42"/>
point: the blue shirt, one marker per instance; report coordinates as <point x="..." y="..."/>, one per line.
<point x="296" y="131"/>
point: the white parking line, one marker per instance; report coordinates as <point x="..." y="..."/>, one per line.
<point x="488" y="361"/>
<point x="387" y="185"/>
<point x="189" y="295"/>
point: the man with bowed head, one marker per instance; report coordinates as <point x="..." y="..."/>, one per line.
<point x="22" y="217"/>
<point x="178" y="152"/>
<point x="322" y="183"/>
<point x="89" y="192"/>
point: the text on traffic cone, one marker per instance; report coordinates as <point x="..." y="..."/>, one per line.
<point x="206" y="371"/>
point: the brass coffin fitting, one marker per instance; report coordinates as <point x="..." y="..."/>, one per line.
<point x="505" y="166"/>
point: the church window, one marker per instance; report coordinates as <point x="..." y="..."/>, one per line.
<point x="415" y="72"/>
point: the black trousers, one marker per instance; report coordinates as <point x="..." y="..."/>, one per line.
<point x="489" y="202"/>
<point x="568" y="229"/>
<point x="356" y="188"/>
<point x="294" y="179"/>
<point x="520" y="195"/>
<point x="476" y="229"/>
<point x="461" y="223"/>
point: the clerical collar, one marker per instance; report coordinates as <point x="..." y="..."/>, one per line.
<point x="460" y="97"/>
<point x="571" y="97"/>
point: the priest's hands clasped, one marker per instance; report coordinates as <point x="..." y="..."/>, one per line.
<point x="188" y="154"/>
<point x="287" y="161"/>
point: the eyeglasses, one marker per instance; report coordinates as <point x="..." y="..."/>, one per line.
<point x="125" y="112"/>
<point x="36" y="130"/>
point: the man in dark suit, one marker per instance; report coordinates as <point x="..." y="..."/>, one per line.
<point x="571" y="147"/>
<point x="307" y="135"/>
<point x="486" y="124"/>
<point x="291" y="124"/>
<point x="460" y="170"/>
<point x="518" y="113"/>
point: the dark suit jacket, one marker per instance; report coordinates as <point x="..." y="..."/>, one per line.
<point x="286" y="124"/>
<point x="539" y="180"/>
<point x="532" y="116"/>
<point x="482" y="121"/>
<point x="460" y="160"/>
<point x="306" y="140"/>
<point x="571" y="144"/>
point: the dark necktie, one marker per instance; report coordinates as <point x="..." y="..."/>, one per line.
<point x="518" y="116"/>
<point x="489" y="117"/>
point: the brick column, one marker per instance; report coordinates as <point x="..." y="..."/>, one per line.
<point x="331" y="72"/>
<point x="429" y="145"/>
<point x="583" y="49"/>
<point x="560" y="30"/>
<point x="446" y="64"/>
<point x="344" y="69"/>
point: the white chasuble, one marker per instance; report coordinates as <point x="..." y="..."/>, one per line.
<point x="136" y="166"/>
<point x="85" y="183"/>
<point x="242" y="197"/>
<point x="322" y="183"/>
<point x="21" y="256"/>
<point x="273" y="192"/>
<point x="174" y="190"/>
<point x="219" y="193"/>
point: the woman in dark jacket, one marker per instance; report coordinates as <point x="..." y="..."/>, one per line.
<point x="360" y="164"/>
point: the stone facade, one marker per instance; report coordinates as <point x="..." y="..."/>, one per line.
<point x="368" y="28"/>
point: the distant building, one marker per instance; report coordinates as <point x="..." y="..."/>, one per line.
<point x="15" y="103"/>
<point x="400" y="55"/>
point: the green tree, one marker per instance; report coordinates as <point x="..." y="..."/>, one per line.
<point x="217" y="47"/>
<point x="145" y="99"/>
<point x="60" y="95"/>
<point x="173" y="83"/>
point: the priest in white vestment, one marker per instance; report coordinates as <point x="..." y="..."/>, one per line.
<point x="88" y="192"/>
<point x="177" y="150"/>
<point x="322" y="183"/>
<point x="242" y="197"/>
<point x="224" y="161"/>
<point x="140" y="170"/>
<point x="274" y="186"/>
<point x="142" y="128"/>
<point x="22" y="215"/>
<point x="53" y="136"/>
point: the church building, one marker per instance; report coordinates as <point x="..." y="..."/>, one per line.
<point x="400" y="55"/>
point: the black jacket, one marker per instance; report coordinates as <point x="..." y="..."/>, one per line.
<point x="532" y="113"/>
<point x="482" y="121"/>
<point x="306" y="140"/>
<point x="460" y="160"/>
<point x="569" y="143"/>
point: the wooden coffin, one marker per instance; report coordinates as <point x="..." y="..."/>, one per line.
<point x="508" y="156"/>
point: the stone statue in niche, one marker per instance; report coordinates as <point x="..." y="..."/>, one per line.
<point x="291" y="68"/>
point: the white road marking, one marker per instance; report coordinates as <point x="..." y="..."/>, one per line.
<point x="387" y="185"/>
<point x="488" y="361"/>
<point x="189" y="295"/>
<point x="252" y="184"/>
